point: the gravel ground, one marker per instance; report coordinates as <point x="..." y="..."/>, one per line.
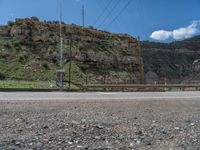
<point x="100" y="125"/>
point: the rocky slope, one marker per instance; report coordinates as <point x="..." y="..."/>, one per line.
<point x="29" y="49"/>
<point x="176" y="62"/>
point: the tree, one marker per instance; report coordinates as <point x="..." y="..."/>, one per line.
<point x="2" y="76"/>
<point x="34" y="18"/>
<point x="10" y="23"/>
<point x="91" y="27"/>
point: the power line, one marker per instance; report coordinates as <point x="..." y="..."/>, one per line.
<point x="102" y="7"/>
<point x="137" y="9"/>
<point x="110" y="12"/>
<point x="104" y="10"/>
<point x="119" y="14"/>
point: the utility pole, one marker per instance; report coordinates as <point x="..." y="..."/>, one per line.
<point x="83" y="25"/>
<point x="83" y="16"/>
<point x="70" y="62"/>
<point x="141" y="63"/>
<point x="61" y="38"/>
<point x="60" y="71"/>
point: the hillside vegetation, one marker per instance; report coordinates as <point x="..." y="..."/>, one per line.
<point x="29" y="49"/>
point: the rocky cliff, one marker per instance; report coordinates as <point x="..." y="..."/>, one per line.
<point x="176" y="62"/>
<point x="29" y="48"/>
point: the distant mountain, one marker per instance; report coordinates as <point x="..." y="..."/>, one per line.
<point x="172" y="62"/>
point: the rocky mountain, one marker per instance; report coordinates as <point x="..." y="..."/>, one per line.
<point x="176" y="62"/>
<point x="29" y="49"/>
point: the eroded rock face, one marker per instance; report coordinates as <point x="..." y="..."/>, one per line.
<point x="176" y="62"/>
<point x="196" y="65"/>
<point x="40" y="35"/>
<point x="4" y="31"/>
<point x="96" y="49"/>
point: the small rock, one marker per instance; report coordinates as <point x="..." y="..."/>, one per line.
<point x="75" y="122"/>
<point x="132" y="144"/>
<point x="17" y="119"/>
<point x="117" y="141"/>
<point x="76" y="141"/>
<point x="17" y="143"/>
<point x="39" y="145"/>
<point x="138" y="142"/>
<point x="83" y="120"/>
<point x="99" y="126"/>
<point x="45" y="127"/>
<point x="140" y="133"/>
<point x="83" y="126"/>
<point x="70" y="143"/>
<point x="164" y="132"/>
<point x="79" y="146"/>
<point x="176" y="128"/>
<point x="13" y="141"/>
<point x="154" y="125"/>
<point x="98" y="137"/>
<point x="171" y="137"/>
<point x="148" y="141"/>
<point x="192" y="124"/>
<point x="46" y="141"/>
<point x="19" y="130"/>
<point x="85" y="147"/>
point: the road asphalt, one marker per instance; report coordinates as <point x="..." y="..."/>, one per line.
<point x="104" y="96"/>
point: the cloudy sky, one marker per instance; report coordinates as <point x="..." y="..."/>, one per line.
<point x="155" y="20"/>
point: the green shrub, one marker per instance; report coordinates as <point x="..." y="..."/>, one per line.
<point x="45" y="65"/>
<point x="10" y="23"/>
<point x="34" y="18"/>
<point x="2" y="76"/>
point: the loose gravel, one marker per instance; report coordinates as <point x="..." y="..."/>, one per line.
<point x="96" y="125"/>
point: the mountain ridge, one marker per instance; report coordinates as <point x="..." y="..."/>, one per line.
<point x="174" y="60"/>
<point x="101" y="57"/>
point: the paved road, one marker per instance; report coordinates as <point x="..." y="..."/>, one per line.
<point x="99" y="96"/>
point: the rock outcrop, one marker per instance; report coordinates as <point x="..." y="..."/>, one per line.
<point x="196" y="66"/>
<point x="103" y="56"/>
<point x="175" y="62"/>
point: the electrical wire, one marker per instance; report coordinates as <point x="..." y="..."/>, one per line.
<point x="119" y="14"/>
<point x="110" y="12"/>
<point x="104" y="10"/>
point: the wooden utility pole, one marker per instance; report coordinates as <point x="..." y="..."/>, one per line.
<point x="86" y="77"/>
<point x="70" y="62"/>
<point x="60" y="71"/>
<point x="83" y="16"/>
<point x="61" y="38"/>
<point x="141" y="62"/>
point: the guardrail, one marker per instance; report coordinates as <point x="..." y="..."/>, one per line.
<point x="141" y="87"/>
<point x="114" y="87"/>
<point x="36" y="90"/>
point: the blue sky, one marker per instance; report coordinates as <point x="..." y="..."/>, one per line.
<point x="160" y="20"/>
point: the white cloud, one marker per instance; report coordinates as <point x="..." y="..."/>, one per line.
<point x="177" y="34"/>
<point x="161" y="35"/>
